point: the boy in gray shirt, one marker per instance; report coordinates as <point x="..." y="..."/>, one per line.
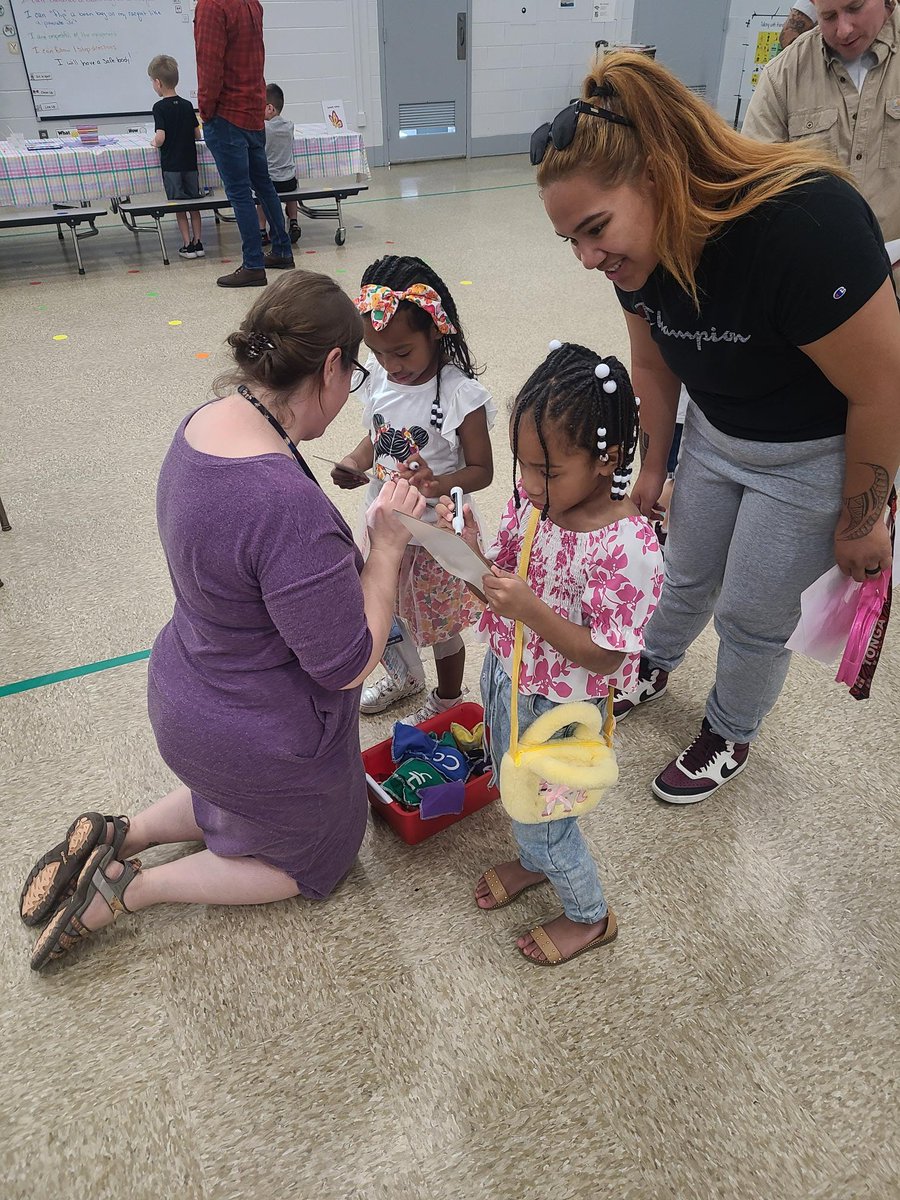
<point x="280" y="154"/>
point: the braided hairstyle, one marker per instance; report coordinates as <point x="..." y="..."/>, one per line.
<point x="590" y="402"/>
<point x="399" y="273"/>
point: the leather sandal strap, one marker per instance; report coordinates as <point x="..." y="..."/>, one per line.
<point x="546" y="945"/>
<point x="113" y="890"/>
<point x="497" y="890"/>
<point x="121" y="825"/>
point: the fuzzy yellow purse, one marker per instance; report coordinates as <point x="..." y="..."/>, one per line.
<point x="543" y="780"/>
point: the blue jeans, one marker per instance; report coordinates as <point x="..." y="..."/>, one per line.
<point x="240" y="156"/>
<point x="554" y="848"/>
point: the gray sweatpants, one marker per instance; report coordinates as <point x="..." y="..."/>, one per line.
<point x="751" y="526"/>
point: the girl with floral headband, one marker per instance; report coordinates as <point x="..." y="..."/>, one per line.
<point x="427" y="419"/>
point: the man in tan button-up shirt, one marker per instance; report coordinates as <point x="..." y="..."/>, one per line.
<point x="840" y="83"/>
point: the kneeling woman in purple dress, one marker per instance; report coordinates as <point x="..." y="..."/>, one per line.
<point x="254" y="683"/>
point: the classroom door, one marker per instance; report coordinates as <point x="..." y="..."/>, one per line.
<point x="690" y="44"/>
<point x="425" y="59"/>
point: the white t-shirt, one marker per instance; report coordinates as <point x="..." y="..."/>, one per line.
<point x="398" y="418"/>
<point x="684" y="400"/>
<point x="858" y="68"/>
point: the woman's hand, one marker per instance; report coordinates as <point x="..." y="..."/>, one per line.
<point x="509" y="595"/>
<point x="873" y="552"/>
<point x="445" y="509"/>
<point x="646" y="492"/>
<point x="348" y="474"/>
<point x="417" y="472"/>
<point x="385" y="531"/>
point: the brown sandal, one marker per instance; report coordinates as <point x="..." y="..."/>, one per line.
<point x="499" y="894"/>
<point x="66" y="929"/>
<point x="52" y="878"/>
<point x="552" y="956"/>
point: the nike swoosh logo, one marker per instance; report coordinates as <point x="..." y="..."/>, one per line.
<point x="726" y="773"/>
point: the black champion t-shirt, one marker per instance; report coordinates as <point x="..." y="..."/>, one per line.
<point x="781" y="277"/>
<point x="177" y="118"/>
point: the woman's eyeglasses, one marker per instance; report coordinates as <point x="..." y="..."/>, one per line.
<point x="359" y="376"/>
<point x="561" y="131"/>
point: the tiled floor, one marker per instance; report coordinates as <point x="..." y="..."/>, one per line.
<point x="739" y="1041"/>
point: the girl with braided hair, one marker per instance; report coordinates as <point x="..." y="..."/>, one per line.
<point x="594" y="577"/>
<point x="427" y="419"/>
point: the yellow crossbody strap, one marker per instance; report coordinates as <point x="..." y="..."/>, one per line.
<point x="524" y="559"/>
<point x="609" y="722"/>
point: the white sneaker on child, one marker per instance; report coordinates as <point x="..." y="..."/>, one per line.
<point x="388" y="690"/>
<point x="433" y="706"/>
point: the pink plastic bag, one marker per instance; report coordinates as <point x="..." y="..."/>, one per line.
<point x="827" y="610"/>
<point x="869" y="605"/>
<point x="866" y="638"/>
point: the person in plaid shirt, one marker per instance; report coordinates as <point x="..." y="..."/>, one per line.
<point x="231" y="96"/>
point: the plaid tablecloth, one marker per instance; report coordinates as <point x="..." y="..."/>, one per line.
<point x="129" y="166"/>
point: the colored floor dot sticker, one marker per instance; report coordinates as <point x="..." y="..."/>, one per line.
<point x="357" y="226"/>
<point x="42" y="308"/>
<point x="174" y="322"/>
<point x="342" y="271"/>
<point x="60" y="337"/>
<point x="153" y="295"/>
<point x="466" y="282"/>
<point x="226" y="260"/>
<point x="202" y="355"/>
<point x="36" y="282"/>
<point x="134" y="271"/>
<point x="310" y="251"/>
<point x="389" y="243"/>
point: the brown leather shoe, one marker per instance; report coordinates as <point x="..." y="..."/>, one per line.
<point x="277" y="263"/>
<point x="243" y="277"/>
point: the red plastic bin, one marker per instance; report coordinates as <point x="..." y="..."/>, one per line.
<point x="409" y="825"/>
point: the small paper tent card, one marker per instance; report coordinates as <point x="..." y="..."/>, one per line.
<point x="448" y="549"/>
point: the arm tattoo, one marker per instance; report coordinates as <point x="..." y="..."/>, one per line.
<point x="796" y="23"/>
<point x="645" y="445"/>
<point x="864" y="510"/>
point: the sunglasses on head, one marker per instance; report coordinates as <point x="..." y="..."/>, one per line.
<point x="561" y="131"/>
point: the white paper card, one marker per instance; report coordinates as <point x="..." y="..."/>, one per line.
<point x="334" y="116"/>
<point x="893" y="249"/>
<point x="604" y="10"/>
<point x="453" y="554"/>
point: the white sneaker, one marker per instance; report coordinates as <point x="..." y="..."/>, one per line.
<point x="432" y="707"/>
<point x="388" y="690"/>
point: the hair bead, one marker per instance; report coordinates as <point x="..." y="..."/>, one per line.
<point x="590" y="401"/>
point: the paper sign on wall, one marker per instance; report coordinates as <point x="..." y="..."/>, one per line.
<point x="334" y="115"/>
<point x="604" y="10"/>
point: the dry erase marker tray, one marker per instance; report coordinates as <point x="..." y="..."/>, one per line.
<point x="410" y="826"/>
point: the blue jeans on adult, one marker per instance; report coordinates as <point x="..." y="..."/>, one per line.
<point x="553" y="848"/>
<point x="240" y="156"/>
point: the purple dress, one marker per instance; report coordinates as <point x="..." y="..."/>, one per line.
<point x="244" y="683"/>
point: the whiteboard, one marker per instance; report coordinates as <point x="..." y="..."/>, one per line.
<point x="751" y="40"/>
<point x="89" y="58"/>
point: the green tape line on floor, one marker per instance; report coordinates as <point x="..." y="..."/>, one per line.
<point x="105" y="664"/>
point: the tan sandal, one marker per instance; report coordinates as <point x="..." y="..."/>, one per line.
<point x="52" y="878"/>
<point x="66" y="929"/>
<point x="499" y="894"/>
<point x="552" y="956"/>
